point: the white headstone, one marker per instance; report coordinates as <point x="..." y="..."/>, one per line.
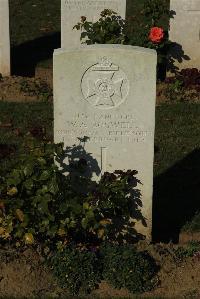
<point x="185" y="30"/>
<point x="106" y="94"/>
<point x="4" y="38"/>
<point x="72" y="10"/>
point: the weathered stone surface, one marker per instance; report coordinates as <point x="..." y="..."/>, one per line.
<point x="185" y="31"/>
<point x="72" y="10"/>
<point x="104" y="102"/>
<point x="4" y="38"/>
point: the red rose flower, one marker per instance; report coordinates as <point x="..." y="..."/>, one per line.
<point x="156" y="34"/>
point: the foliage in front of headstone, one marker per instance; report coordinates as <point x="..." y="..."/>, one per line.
<point x="78" y="270"/>
<point x="28" y="194"/>
<point x="124" y="267"/>
<point x="38" y="203"/>
<point x="117" y="201"/>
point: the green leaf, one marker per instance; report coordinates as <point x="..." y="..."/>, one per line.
<point x="46" y="174"/>
<point x="28" y="184"/>
<point x="28" y="170"/>
<point x="84" y="223"/>
<point x="43" y="207"/>
<point x="53" y="186"/>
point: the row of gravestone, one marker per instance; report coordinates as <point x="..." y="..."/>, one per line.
<point x="184" y="27"/>
<point x="104" y="102"/>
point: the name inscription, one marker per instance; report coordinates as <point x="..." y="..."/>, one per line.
<point x="90" y="5"/>
<point x="100" y="128"/>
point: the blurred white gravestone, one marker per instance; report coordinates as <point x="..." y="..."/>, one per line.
<point x="4" y="38"/>
<point x="72" y="10"/>
<point x="104" y="100"/>
<point x="185" y="30"/>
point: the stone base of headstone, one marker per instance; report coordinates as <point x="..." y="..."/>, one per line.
<point x="104" y="106"/>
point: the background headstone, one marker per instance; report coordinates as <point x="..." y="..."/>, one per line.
<point x="104" y="99"/>
<point x="4" y="38"/>
<point x="72" y="10"/>
<point x="185" y="30"/>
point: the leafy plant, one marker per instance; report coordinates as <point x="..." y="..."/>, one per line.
<point x="154" y="10"/>
<point x="174" y="90"/>
<point x="124" y="267"/>
<point x="77" y="270"/>
<point x="190" y="250"/>
<point x="117" y="205"/>
<point x="184" y="85"/>
<point x="37" y="88"/>
<point x="107" y="30"/>
<point x="40" y="204"/>
<point x="28" y="194"/>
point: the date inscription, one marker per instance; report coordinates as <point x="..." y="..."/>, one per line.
<point x="104" y="128"/>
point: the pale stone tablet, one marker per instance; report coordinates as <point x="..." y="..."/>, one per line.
<point x="185" y="30"/>
<point x="72" y="10"/>
<point x="4" y="38"/>
<point x="104" y="100"/>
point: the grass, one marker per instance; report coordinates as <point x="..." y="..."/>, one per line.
<point x="177" y="134"/>
<point x="31" y="19"/>
<point x="16" y="122"/>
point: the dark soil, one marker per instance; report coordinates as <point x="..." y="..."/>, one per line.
<point x="24" y="274"/>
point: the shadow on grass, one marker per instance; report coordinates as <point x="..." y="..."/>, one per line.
<point x="176" y="198"/>
<point x="25" y="57"/>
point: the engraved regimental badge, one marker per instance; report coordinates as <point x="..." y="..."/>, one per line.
<point x="104" y="85"/>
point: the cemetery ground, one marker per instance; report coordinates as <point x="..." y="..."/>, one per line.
<point x="26" y="115"/>
<point x="176" y="179"/>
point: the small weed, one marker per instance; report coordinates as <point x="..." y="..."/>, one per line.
<point x="192" y="248"/>
<point x="37" y="88"/>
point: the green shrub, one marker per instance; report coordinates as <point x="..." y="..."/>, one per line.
<point x="189" y="250"/>
<point x="28" y="194"/>
<point x="77" y="270"/>
<point x="107" y="30"/>
<point x="124" y="267"/>
<point x="40" y="204"/>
